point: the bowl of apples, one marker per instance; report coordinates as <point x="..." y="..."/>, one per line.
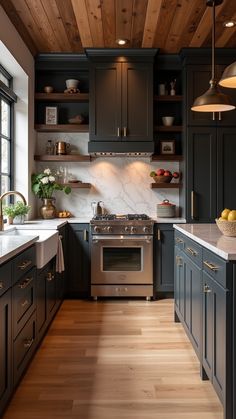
<point x="163" y="176"/>
<point x="226" y="223"/>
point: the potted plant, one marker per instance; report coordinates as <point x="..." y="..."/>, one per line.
<point x="16" y="212"/>
<point x="43" y="186"/>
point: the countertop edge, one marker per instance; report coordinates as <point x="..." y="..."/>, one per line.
<point x="18" y="249"/>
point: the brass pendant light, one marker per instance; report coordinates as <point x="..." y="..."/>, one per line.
<point x="213" y="100"/>
<point x="228" y="78"/>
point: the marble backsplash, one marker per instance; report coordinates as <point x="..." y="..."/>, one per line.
<point x="122" y="183"/>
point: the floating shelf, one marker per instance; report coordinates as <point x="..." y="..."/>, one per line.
<point x="77" y="185"/>
<point x="166" y="185"/>
<point x="168" y="98"/>
<point x="65" y="158"/>
<point x="62" y="97"/>
<point x="166" y="157"/>
<point x="62" y="128"/>
<point x="171" y="128"/>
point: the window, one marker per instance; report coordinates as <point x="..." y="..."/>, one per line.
<point x="7" y="99"/>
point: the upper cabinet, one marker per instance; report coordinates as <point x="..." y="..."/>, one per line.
<point x="121" y="95"/>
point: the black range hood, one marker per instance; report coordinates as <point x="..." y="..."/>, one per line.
<point x="121" y="148"/>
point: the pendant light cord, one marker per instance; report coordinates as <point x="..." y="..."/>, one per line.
<point x="213" y="43"/>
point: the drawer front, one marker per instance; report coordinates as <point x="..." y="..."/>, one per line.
<point x="179" y="239"/>
<point x="5" y="277"/>
<point x="23" y="347"/>
<point x="193" y="251"/>
<point x="215" y="267"/>
<point x="23" y="300"/>
<point x="23" y="263"/>
<point x="121" y="291"/>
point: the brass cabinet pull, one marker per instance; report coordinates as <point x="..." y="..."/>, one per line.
<point x="50" y="276"/>
<point x="220" y="116"/>
<point x="28" y="342"/>
<point x="85" y="235"/>
<point x="191" y="251"/>
<point x="158" y="234"/>
<point x="1" y="285"/>
<point x="118" y="132"/>
<point x="178" y="240"/>
<point x="125" y="131"/>
<point x="206" y="289"/>
<point x="193" y="204"/>
<point x="25" y="283"/>
<point x="213" y="116"/>
<point x="211" y="266"/>
<point x="24" y="264"/>
<point x="24" y="303"/>
<point x="179" y="261"/>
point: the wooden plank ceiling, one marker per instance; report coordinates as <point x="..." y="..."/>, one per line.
<point x="72" y="25"/>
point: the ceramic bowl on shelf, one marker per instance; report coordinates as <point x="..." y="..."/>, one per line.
<point x="162" y="179"/>
<point x="168" y="120"/>
<point x="72" y="83"/>
<point x="48" y="89"/>
<point x="227" y="228"/>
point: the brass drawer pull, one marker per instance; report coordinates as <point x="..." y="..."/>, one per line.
<point x="191" y="251"/>
<point x="206" y="289"/>
<point x="179" y="261"/>
<point x="28" y="342"/>
<point x="178" y="240"/>
<point x="211" y="266"/>
<point x="159" y="234"/>
<point x="118" y="132"/>
<point x="25" y="264"/>
<point x="50" y="276"/>
<point x="25" y="283"/>
<point x="25" y="303"/>
<point x="2" y="285"/>
<point x="121" y="289"/>
<point x="85" y="237"/>
<point x="125" y="131"/>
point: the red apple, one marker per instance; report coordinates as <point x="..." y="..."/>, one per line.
<point x="176" y="175"/>
<point x="167" y="173"/>
<point x="160" y="172"/>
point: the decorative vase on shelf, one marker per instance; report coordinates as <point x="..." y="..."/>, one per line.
<point x="48" y="209"/>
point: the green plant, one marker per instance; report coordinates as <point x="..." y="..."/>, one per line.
<point x="19" y="208"/>
<point x="44" y="184"/>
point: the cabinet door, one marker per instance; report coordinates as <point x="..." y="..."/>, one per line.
<point x="137" y="102"/>
<point x="226" y="158"/>
<point x="179" y="283"/>
<point x="41" y="306"/>
<point x="105" y="102"/>
<point x="202" y="174"/>
<point x="193" y="303"/>
<point x="214" y="333"/>
<point x="78" y="278"/>
<point x="164" y="258"/>
<point x="51" y="290"/>
<point x="5" y="349"/>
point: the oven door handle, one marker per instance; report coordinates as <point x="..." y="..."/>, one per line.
<point x="147" y="239"/>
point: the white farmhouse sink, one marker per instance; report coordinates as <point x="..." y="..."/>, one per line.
<point x="46" y="246"/>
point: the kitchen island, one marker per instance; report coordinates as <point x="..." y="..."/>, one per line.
<point x="205" y="303"/>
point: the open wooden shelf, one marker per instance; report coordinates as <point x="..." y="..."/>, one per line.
<point x="166" y="185"/>
<point x="62" y="128"/>
<point x="168" y="98"/>
<point x="171" y="128"/>
<point x="65" y="158"/>
<point x="166" y="157"/>
<point x="62" y="97"/>
<point x="77" y="185"/>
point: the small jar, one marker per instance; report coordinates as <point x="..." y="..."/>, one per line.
<point x="49" y="147"/>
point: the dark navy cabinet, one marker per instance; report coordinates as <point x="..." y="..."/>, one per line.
<point x="163" y="258"/>
<point x="5" y="347"/>
<point x="78" y="261"/>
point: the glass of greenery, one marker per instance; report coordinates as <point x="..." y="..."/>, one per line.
<point x="16" y="212"/>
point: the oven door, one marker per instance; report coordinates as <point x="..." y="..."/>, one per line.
<point x="122" y="260"/>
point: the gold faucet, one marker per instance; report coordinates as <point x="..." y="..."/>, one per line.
<point x="1" y="199"/>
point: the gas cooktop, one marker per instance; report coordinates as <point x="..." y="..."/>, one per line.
<point x="121" y="217"/>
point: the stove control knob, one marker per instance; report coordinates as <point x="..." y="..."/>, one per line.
<point x="96" y="229"/>
<point x="127" y="229"/>
<point x="145" y="229"/>
<point x="109" y="229"/>
<point x="133" y="230"/>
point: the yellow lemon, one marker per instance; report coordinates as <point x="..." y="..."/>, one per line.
<point x="225" y="213"/>
<point x="232" y="215"/>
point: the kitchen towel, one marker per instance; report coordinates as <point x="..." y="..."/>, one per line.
<point x="60" y="266"/>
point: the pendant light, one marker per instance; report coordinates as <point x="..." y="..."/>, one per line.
<point x="213" y="100"/>
<point x="228" y="78"/>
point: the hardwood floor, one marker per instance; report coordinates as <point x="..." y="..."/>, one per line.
<point x="115" y="360"/>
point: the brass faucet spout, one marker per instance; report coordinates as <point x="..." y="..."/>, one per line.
<point x="1" y="199"/>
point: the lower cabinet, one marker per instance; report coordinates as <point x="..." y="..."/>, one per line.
<point x="5" y="347"/>
<point x="78" y="261"/>
<point x="204" y="303"/>
<point x="163" y="257"/>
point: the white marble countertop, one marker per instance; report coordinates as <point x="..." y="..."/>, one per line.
<point x="209" y="236"/>
<point x="169" y="220"/>
<point x="12" y="245"/>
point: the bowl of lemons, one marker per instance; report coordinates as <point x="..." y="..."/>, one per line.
<point x="227" y="222"/>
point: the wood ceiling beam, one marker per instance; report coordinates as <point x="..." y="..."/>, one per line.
<point x="152" y="15"/>
<point x="81" y="16"/>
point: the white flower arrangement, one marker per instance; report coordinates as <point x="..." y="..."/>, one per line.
<point x="44" y="184"/>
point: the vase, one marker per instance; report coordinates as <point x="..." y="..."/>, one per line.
<point x="48" y="209"/>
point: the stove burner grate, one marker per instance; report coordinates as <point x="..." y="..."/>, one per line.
<point x="121" y="217"/>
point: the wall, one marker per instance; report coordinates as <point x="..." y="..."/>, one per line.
<point x="122" y="183"/>
<point x="19" y="62"/>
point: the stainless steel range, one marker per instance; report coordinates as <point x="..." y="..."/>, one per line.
<point x="122" y="256"/>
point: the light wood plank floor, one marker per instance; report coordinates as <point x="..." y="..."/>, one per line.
<point x="115" y="360"/>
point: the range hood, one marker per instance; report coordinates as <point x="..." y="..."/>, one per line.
<point x="120" y="148"/>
